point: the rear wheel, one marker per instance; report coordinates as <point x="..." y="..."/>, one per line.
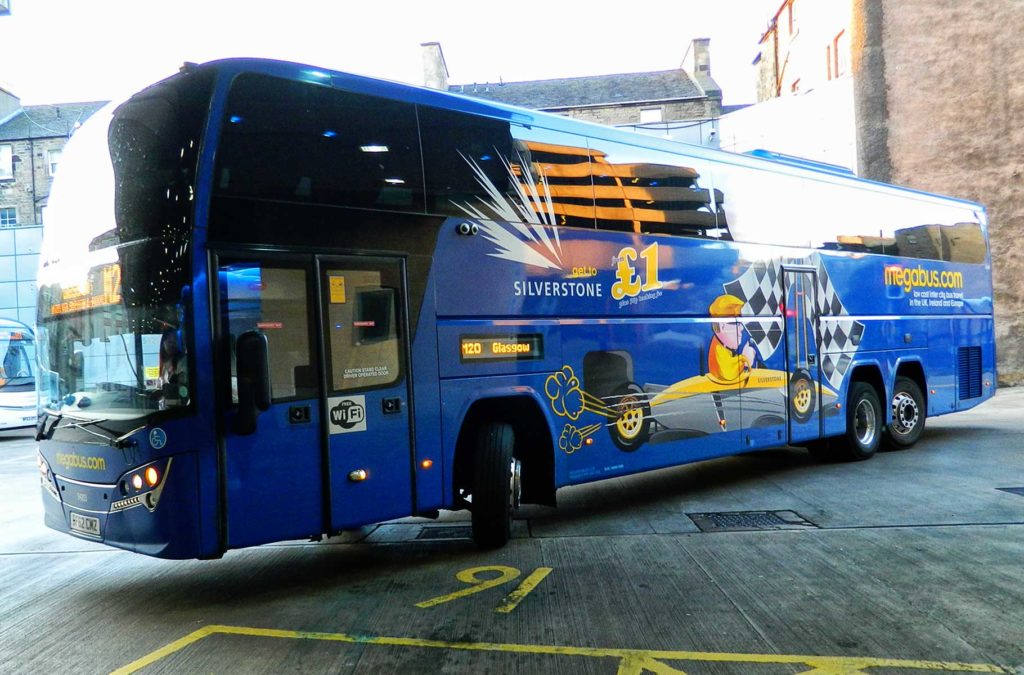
<point x="908" y="414"/>
<point x="496" y="485"/>
<point x="864" y="423"/>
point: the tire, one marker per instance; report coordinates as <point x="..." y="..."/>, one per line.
<point x="632" y="426"/>
<point x="865" y="424"/>
<point x="496" y="485"/>
<point x="802" y="395"/>
<point x="908" y="415"/>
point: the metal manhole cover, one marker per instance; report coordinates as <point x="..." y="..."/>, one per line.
<point x="1013" y="490"/>
<point x="443" y="532"/>
<point x="745" y="521"/>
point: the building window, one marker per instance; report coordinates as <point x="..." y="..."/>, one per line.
<point x="648" y="115"/>
<point x="6" y="162"/>
<point x="828" y="60"/>
<point x="8" y="216"/>
<point x="52" y="160"/>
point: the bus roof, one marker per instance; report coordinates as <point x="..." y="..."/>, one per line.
<point x="763" y="160"/>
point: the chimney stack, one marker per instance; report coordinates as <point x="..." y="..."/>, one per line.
<point x="697" y="63"/>
<point x="435" y="72"/>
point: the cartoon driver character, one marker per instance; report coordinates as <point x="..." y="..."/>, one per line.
<point x="732" y="353"/>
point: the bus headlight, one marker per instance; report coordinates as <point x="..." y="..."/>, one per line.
<point x="142" y="486"/>
<point x="46" y="478"/>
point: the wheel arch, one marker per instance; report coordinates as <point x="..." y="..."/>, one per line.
<point x="912" y="369"/>
<point x="871" y="373"/>
<point x="533" y="447"/>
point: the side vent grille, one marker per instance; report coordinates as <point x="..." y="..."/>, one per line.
<point x="969" y="372"/>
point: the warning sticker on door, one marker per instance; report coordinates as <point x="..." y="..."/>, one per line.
<point x="337" y="288"/>
<point x="346" y="414"/>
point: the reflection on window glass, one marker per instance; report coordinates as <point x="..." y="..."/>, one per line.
<point x="643" y="190"/>
<point x="297" y="141"/>
<point x="362" y="324"/>
<point x="554" y="171"/>
<point x="771" y="208"/>
<point x="114" y="342"/>
<point x="272" y="301"/>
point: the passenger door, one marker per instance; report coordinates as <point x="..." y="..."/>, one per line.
<point x="802" y="364"/>
<point x="274" y="485"/>
<point x="367" y="409"/>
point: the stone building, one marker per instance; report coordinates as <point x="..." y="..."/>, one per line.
<point x="31" y="141"/>
<point x="684" y="103"/>
<point x="920" y="93"/>
<point x="939" y="100"/>
<point x="804" y="87"/>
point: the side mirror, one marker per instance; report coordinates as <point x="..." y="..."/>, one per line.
<point x="252" y="359"/>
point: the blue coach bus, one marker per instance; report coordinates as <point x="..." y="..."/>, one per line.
<point x="278" y="302"/>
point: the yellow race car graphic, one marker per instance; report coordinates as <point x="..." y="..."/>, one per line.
<point x="697" y="406"/>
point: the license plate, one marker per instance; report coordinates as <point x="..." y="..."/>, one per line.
<point x="85" y="524"/>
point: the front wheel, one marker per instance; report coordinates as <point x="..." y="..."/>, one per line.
<point x="497" y="486"/>
<point x="908" y="414"/>
<point x="864" y="423"/>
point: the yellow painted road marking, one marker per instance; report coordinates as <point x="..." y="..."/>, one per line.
<point x="469" y="576"/>
<point x="631" y="661"/>
<point x="513" y="599"/>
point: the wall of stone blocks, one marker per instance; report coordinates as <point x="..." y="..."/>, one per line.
<point x="940" y="104"/>
<point x="31" y="184"/>
<point x="630" y="114"/>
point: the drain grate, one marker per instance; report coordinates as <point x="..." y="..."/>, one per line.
<point x="443" y="533"/>
<point x="745" y="521"/>
<point x="1013" y="491"/>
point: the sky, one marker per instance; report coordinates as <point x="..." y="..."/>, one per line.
<point x="62" y="51"/>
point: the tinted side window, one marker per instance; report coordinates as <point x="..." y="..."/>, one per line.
<point x="773" y="208"/>
<point x="642" y="190"/>
<point x="302" y="142"/>
<point x="463" y="156"/>
<point x="553" y="171"/>
<point x="273" y="300"/>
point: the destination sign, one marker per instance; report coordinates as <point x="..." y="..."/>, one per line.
<point x="501" y="347"/>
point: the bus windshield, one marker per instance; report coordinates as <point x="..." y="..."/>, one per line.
<point x="114" y="281"/>
<point x="18" y="368"/>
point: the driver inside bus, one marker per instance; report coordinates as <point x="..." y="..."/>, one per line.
<point x="172" y="384"/>
<point x="732" y="353"/>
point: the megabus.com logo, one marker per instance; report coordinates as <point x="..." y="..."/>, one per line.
<point x="919" y="277"/>
<point x="70" y="460"/>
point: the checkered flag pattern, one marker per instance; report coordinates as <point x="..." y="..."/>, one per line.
<point x="840" y="337"/>
<point x="760" y="288"/>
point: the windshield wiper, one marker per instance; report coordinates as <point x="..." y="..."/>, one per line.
<point x="81" y="423"/>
